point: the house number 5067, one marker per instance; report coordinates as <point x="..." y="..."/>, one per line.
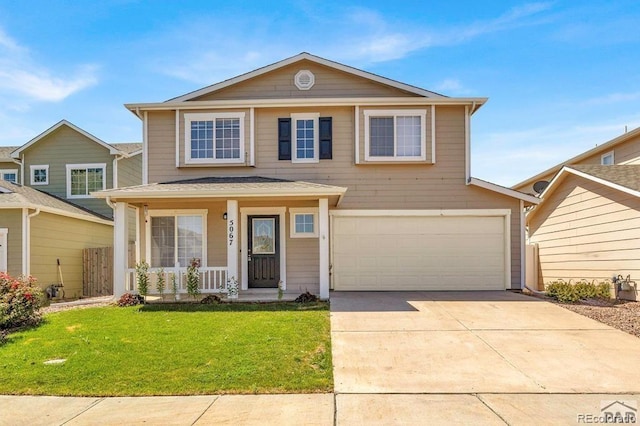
<point x="232" y="229"/>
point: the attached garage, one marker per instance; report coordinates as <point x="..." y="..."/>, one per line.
<point x="420" y="250"/>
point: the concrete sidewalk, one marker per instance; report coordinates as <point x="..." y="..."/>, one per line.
<point x="312" y="409"/>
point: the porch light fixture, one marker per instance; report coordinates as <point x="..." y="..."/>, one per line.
<point x="224" y="216"/>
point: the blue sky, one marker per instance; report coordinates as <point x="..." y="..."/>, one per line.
<point x="561" y="76"/>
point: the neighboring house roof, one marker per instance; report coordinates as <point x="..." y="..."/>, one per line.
<point x="130" y="148"/>
<point x="420" y="94"/>
<point x="13" y="196"/>
<point x="621" y="177"/>
<point x="113" y="150"/>
<point x="227" y="187"/>
<point x="5" y="153"/>
<point x="598" y="149"/>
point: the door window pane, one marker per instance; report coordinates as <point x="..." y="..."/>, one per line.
<point x="263" y="241"/>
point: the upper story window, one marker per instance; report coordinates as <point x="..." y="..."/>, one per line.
<point x="82" y="179"/>
<point x="395" y="135"/>
<point x="607" y="159"/>
<point x="39" y="175"/>
<point x="10" y="175"/>
<point x="305" y="138"/>
<point x="214" y="138"/>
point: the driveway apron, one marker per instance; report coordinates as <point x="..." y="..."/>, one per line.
<point x="474" y="342"/>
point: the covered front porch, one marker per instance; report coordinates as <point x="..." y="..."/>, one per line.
<point x="259" y="238"/>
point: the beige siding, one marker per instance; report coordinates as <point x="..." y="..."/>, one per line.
<point x="585" y="230"/>
<point x="12" y="220"/>
<point x="329" y="83"/>
<point x="371" y="186"/>
<point x="130" y="171"/>
<point x="58" y="237"/>
<point x="66" y="146"/>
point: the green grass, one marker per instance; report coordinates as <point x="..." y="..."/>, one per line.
<point x="172" y="350"/>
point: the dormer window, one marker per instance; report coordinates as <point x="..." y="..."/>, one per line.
<point x="214" y="138"/>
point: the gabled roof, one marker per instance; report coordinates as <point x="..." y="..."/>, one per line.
<point x="421" y="97"/>
<point x="112" y="149"/>
<point x="130" y="148"/>
<point x="309" y="57"/>
<point x="597" y="150"/>
<point x="14" y="196"/>
<point x="621" y="177"/>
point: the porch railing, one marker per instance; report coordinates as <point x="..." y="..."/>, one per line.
<point x="212" y="280"/>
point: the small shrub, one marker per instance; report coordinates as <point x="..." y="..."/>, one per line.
<point x="160" y="282"/>
<point x="174" y="285"/>
<point x="129" y="299"/>
<point x="306" y="297"/>
<point x="211" y="299"/>
<point x="193" y="278"/>
<point x="20" y="302"/>
<point x="142" y="277"/>
<point x="566" y="292"/>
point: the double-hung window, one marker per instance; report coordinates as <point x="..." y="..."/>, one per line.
<point x="10" y="175"/>
<point x="305" y="138"/>
<point x="214" y="138"/>
<point x="39" y="175"/>
<point x="395" y="135"/>
<point x="176" y="237"/>
<point x="82" y="179"/>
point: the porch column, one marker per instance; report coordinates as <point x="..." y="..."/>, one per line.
<point x="232" y="240"/>
<point x="323" y="237"/>
<point x="120" y="248"/>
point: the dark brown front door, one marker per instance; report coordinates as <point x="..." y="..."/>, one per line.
<point x="264" y="251"/>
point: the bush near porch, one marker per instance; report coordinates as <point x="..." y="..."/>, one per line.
<point x="172" y="350"/>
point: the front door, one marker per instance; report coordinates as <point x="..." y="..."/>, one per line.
<point x="264" y="251"/>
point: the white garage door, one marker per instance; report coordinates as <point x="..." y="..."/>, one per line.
<point x="419" y="252"/>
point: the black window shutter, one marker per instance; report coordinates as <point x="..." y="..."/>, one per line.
<point x="284" y="139"/>
<point x="326" y="149"/>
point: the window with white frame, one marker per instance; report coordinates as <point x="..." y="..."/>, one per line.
<point x="607" y="159"/>
<point x="39" y="175"/>
<point x="82" y="179"/>
<point x="10" y="175"/>
<point x="303" y="222"/>
<point x="305" y="138"/>
<point x="214" y="138"/>
<point x="175" y="238"/>
<point x="395" y="135"/>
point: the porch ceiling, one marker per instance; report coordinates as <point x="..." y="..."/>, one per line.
<point x="225" y="187"/>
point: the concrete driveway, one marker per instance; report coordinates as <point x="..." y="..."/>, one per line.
<point x="491" y="354"/>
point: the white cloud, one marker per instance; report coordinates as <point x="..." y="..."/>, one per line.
<point x="22" y="79"/>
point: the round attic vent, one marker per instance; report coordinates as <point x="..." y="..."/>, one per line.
<point x="304" y="80"/>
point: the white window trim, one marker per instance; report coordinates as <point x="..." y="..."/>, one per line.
<point x="5" y="171"/>
<point x="85" y="166"/>
<point x="293" y="212"/>
<point x="33" y="168"/>
<point x="172" y="212"/>
<point x="603" y="156"/>
<point x="188" y="118"/>
<point x="422" y="113"/>
<point x="316" y="137"/>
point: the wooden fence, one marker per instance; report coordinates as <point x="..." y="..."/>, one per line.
<point x="97" y="271"/>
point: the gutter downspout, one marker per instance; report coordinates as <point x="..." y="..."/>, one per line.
<point x="26" y="239"/>
<point x="110" y="203"/>
<point x="114" y="177"/>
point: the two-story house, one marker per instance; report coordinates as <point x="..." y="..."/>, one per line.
<point x="47" y="216"/>
<point x="313" y="175"/>
<point x="587" y="225"/>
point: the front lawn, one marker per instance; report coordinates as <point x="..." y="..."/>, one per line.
<point x="172" y="350"/>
